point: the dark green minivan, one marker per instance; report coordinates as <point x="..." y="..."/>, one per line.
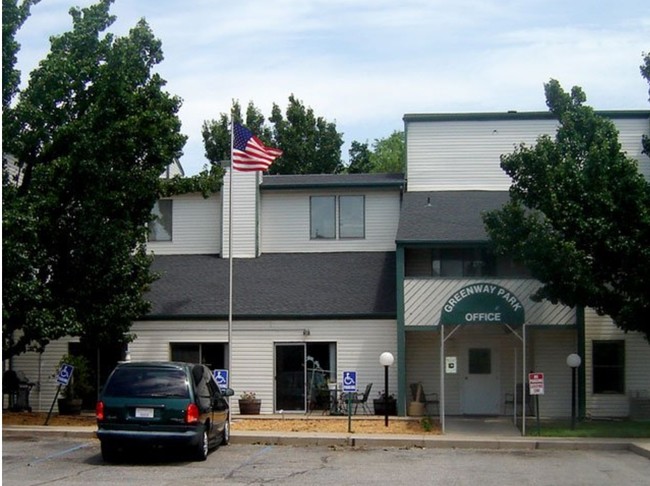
<point x="162" y="404"/>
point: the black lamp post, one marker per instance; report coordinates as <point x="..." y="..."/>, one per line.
<point x="386" y="359"/>
<point x="573" y="361"/>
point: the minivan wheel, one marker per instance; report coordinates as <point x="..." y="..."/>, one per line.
<point x="225" y="437"/>
<point x="109" y="452"/>
<point x="202" y="447"/>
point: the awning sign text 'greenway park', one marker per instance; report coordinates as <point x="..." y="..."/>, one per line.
<point x="482" y="303"/>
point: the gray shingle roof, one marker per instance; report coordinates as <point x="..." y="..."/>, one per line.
<point x="305" y="285"/>
<point x="309" y="181"/>
<point x="446" y="216"/>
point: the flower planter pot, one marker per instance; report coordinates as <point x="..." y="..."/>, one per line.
<point x="69" y="406"/>
<point x="416" y="409"/>
<point x="380" y="406"/>
<point x="250" y="407"/>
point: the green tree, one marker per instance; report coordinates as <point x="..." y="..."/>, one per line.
<point x="579" y="215"/>
<point x="645" y="72"/>
<point x="91" y="134"/>
<point x="387" y="155"/>
<point x="311" y="144"/>
<point x="359" y="158"/>
<point x="216" y="133"/>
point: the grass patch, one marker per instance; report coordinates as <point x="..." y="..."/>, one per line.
<point x="591" y="428"/>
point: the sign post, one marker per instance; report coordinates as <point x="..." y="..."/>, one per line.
<point x="349" y="383"/>
<point x="63" y="378"/>
<point x="536" y="387"/>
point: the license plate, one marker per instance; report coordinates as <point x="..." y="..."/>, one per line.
<point x="144" y="412"/>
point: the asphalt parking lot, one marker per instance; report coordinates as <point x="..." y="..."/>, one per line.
<point x="58" y="461"/>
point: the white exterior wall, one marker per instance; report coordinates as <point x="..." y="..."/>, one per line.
<point x="245" y="193"/>
<point x="196" y="227"/>
<point x="285" y="222"/>
<point x="465" y="155"/>
<point x="637" y="366"/>
<point x="42" y="370"/>
<point x="359" y="344"/>
<point x="550" y="349"/>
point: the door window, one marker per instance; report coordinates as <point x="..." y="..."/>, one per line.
<point x="480" y="361"/>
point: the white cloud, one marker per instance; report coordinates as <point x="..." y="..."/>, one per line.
<point x="364" y="63"/>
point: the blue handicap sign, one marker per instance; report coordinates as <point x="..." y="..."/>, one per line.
<point x="221" y="377"/>
<point x="349" y="381"/>
<point x="65" y="374"/>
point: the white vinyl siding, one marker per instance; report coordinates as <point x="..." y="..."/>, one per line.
<point x="285" y="222"/>
<point x="358" y="346"/>
<point x="637" y="366"/>
<point x="550" y="349"/>
<point x="245" y="189"/>
<point x="196" y="227"/>
<point x="42" y="370"/>
<point x="465" y="155"/>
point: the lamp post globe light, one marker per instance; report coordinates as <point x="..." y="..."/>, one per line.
<point x="386" y="360"/>
<point x="573" y="361"/>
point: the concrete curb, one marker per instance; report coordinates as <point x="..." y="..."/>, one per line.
<point x="641" y="447"/>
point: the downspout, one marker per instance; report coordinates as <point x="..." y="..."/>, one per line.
<point x="581" y="335"/>
<point x="401" y="334"/>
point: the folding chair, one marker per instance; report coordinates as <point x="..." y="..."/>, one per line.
<point x="357" y="399"/>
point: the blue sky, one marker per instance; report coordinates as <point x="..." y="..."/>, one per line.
<point x="363" y="64"/>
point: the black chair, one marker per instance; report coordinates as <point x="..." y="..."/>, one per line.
<point x="357" y="399"/>
<point x="510" y="398"/>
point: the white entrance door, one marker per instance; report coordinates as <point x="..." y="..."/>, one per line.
<point x="481" y="382"/>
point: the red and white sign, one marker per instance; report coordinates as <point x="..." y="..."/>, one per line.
<point x="536" y="383"/>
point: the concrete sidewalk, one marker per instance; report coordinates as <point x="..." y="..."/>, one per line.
<point x="460" y="434"/>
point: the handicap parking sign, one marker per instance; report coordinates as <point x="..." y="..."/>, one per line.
<point x="65" y="374"/>
<point x="349" y="381"/>
<point x="221" y="377"/>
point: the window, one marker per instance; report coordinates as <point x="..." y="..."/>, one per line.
<point x="459" y="262"/>
<point x="160" y="229"/>
<point x="210" y="354"/>
<point x="609" y="366"/>
<point x="324" y="217"/>
<point x="480" y="361"/>
<point x="351" y="218"/>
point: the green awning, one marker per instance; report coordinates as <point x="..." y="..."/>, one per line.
<point x="483" y="303"/>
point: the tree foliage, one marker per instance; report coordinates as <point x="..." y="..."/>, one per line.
<point x="359" y="158"/>
<point x="387" y="155"/>
<point x="645" y="72"/>
<point x="216" y="133"/>
<point x="310" y="144"/>
<point x="579" y="215"/>
<point x="91" y="134"/>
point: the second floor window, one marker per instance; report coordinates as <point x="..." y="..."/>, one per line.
<point x="333" y="217"/>
<point x="160" y="229"/>
<point x="460" y="262"/>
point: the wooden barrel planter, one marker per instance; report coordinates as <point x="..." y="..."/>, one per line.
<point x="250" y="407"/>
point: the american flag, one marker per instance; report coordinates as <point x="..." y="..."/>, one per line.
<point x="248" y="151"/>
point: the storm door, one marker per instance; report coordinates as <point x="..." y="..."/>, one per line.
<point x="290" y="377"/>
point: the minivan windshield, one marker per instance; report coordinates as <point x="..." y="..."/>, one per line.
<point x="147" y="382"/>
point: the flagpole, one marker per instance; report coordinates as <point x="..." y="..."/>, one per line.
<point x="232" y="136"/>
